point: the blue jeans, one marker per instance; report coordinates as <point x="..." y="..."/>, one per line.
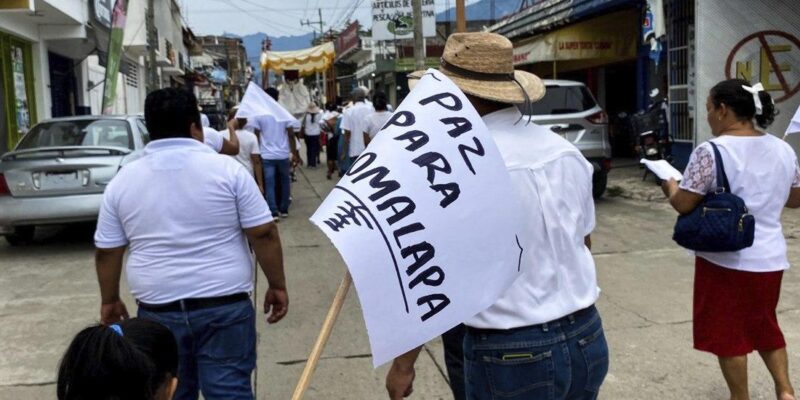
<point x="562" y="359"/>
<point x="281" y="167"/>
<point x="453" y="341"/>
<point x="216" y="349"/>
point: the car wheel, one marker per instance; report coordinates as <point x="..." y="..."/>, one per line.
<point x="599" y="183"/>
<point x="22" y="235"/>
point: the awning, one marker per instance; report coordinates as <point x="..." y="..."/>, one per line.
<point x="613" y="37"/>
<point x="307" y="61"/>
<point x="546" y="15"/>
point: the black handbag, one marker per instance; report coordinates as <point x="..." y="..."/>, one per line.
<point x="720" y="222"/>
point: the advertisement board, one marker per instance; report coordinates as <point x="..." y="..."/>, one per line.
<point x="392" y="19"/>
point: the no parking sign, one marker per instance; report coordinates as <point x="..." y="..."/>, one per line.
<point x="770" y="57"/>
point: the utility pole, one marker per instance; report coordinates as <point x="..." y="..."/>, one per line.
<point x="152" y="45"/>
<point x="461" y="22"/>
<point x="419" y="47"/>
<point x="319" y="21"/>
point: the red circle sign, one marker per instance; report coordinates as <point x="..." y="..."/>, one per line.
<point x="788" y="89"/>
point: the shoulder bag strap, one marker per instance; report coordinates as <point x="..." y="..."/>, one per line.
<point x="722" y="177"/>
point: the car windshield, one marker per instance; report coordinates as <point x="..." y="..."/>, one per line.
<point x="88" y="132"/>
<point x="563" y="100"/>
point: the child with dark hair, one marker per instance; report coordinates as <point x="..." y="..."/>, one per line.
<point x="736" y="293"/>
<point x="135" y="359"/>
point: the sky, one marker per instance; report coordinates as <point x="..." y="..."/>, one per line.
<point x="277" y="17"/>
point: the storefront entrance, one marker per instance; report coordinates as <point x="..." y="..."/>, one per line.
<point x="16" y="87"/>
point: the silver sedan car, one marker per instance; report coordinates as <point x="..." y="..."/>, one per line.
<point x="57" y="173"/>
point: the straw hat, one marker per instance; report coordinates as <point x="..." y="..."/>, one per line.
<point x="481" y="64"/>
<point x="313" y="108"/>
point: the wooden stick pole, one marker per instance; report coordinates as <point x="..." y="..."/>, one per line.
<point x="322" y="339"/>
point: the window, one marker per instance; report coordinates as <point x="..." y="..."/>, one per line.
<point x="143" y="130"/>
<point x="89" y="132"/>
<point x="564" y="100"/>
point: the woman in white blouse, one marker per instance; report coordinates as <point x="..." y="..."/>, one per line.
<point x="736" y="293"/>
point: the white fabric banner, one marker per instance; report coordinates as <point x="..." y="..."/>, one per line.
<point x="794" y="124"/>
<point x="425" y="221"/>
<point x="257" y="102"/>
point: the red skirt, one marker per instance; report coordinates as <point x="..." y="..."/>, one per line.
<point x="734" y="311"/>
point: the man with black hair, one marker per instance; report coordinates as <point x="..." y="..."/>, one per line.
<point x="278" y="151"/>
<point x="186" y="216"/>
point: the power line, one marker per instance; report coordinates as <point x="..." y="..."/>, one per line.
<point x="248" y="13"/>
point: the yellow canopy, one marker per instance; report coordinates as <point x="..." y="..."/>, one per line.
<point x="307" y="61"/>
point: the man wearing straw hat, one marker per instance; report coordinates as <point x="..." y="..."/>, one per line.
<point x="543" y="338"/>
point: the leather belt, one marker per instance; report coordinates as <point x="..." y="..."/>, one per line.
<point x="195" y="303"/>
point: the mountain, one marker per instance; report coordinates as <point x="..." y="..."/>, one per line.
<point x="481" y="11"/>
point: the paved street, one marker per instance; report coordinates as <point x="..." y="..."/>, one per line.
<point x="48" y="292"/>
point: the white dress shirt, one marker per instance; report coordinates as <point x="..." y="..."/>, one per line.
<point x="355" y="121"/>
<point x="181" y="209"/>
<point x="761" y="170"/>
<point x="554" y="181"/>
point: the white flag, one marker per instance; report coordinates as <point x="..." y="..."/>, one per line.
<point x="257" y="102"/>
<point x="794" y="124"/>
<point x="425" y="220"/>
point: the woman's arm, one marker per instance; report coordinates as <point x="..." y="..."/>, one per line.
<point x="683" y="201"/>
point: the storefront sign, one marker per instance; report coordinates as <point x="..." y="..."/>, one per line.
<point x="767" y="57"/>
<point x="392" y="19"/>
<point x="409" y="65"/>
<point x="347" y="40"/>
<point x="22" y="113"/>
<point x="16" y="5"/>
<point x="425" y="221"/>
<point x="612" y="37"/>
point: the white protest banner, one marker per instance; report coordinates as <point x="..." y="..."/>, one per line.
<point x="425" y="220"/>
<point x="392" y="19"/>
<point x="256" y="102"/>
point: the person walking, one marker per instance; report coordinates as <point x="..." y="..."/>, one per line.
<point x="310" y="131"/>
<point x="278" y="153"/>
<point x="378" y="118"/>
<point x="133" y="359"/>
<point x="330" y="129"/>
<point x="736" y="293"/>
<point x="353" y="125"/>
<point x="186" y="216"/>
<point x="543" y="338"/>
<point x="249" y="153"/>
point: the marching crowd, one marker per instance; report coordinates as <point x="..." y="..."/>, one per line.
<point x="188" y="220"/>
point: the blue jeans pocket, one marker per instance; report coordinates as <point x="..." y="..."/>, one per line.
<point x="595" y="352"/>
<point x="231" y="339"/>
<point x="519" y="374"/>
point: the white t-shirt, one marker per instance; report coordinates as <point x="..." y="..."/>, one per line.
<point x="274" y="139"/>
<point x="761" y="170"/>
<point x="204" y="122"/>
<point x="248" y="146"/>
<point x="554" y="181"/>
<point x="375" y="122"/>
<point x="311" y="123"/>
<point x="212" y="138"/>
<point x="355" y="121"/>
<point x="181" y="209"/>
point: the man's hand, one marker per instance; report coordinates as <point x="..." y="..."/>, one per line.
<point x="400" y="381"/>
<point x="278" y="301"/>
<point x="296" y="160"/>
<point x="113" y="312"/>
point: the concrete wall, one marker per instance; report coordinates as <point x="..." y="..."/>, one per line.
<point x="732" y="26"/>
